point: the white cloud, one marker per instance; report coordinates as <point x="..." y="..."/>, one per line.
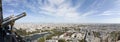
<point x="56" y="2"/>
<point x="11" y="2"/>
<point x="113" y="11"/>
<point x="61" y="8"/>
<point x="88" y="13"/>
<point x="111" y="20"/>
<point x="8" y="1"/>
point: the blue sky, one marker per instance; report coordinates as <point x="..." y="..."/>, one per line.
<point x="64" y="11"/>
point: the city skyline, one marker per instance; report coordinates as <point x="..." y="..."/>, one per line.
<point x="64" y="11"/>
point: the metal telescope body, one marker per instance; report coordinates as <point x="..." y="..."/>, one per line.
<point x="7" y="20"/>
